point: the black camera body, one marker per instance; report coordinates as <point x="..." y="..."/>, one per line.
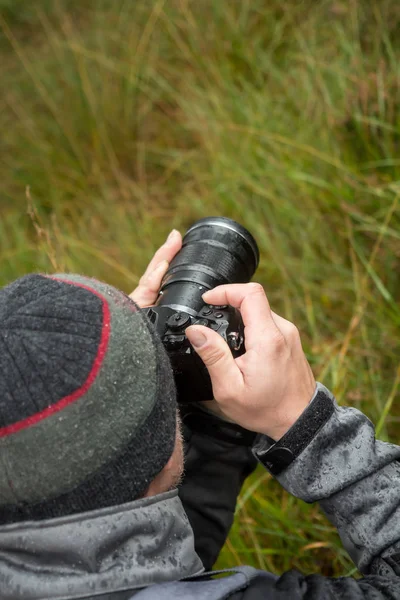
<point x="191" y="376"/>
<point x="215" y="251"/>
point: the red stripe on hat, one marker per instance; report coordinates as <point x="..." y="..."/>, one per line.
<point x="61" y="404"/>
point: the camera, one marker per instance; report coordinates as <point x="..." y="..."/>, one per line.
<point x="215" y="251"/>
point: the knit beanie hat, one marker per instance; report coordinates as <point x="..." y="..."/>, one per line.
<point x="87" y="398"/>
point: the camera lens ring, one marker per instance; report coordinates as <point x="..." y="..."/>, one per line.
<point x="215" y="251"/>
<point x="233" y="226"/>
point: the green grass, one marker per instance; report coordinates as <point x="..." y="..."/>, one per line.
<point x="120" y="120"/>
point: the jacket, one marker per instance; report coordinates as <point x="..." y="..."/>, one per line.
<point x="166" y="544"/>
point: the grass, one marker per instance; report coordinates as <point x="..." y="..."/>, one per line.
<point x="121" y="120"/>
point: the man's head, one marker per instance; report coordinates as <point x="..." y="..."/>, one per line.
<point x="88" y="415"/>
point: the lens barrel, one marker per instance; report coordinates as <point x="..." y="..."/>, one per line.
<point x="215" y="251"/>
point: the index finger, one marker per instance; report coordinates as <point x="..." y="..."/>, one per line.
<point x="251" y="300"/>
<point x="166" y="252"/>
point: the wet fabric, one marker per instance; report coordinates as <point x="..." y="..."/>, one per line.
<point x="131" y="546"/>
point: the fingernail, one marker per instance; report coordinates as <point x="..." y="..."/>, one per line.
<point x="196" y="337"/>
<point x="160" y="267"/>
<point x="172" y="235"/>
<point x="164" y="263"/>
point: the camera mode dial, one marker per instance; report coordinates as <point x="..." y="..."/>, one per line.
<point x="178" y="321"/>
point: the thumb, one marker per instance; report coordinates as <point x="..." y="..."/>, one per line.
<point x="216" y="355"/>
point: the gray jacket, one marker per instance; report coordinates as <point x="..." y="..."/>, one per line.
<point x="112" y="549"/>
<point x="113" y="553"/>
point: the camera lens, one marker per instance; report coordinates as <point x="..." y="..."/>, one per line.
<point x="215" y="251"/>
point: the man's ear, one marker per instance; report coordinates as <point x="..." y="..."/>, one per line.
<point x="171" y="474"/>
<point x="162" y="481"/>
<point x="169" y="465"/>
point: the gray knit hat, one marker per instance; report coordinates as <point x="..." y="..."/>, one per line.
<point x="87" y="398"/>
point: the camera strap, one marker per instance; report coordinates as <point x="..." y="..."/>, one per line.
<point x="205" y="422"/>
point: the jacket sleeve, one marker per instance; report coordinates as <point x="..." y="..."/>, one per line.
<point x="214" y="474"/>
<point x="356" y="480"/>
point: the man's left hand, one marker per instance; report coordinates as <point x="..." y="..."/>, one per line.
<point x="149" y="285"/>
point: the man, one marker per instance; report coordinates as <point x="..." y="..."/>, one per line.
<point x="91" y="451"/>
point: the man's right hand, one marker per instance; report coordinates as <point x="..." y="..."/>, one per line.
<point x="267" y="388"/>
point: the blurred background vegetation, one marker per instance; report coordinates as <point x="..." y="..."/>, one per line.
<point x="120" y="120"/>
